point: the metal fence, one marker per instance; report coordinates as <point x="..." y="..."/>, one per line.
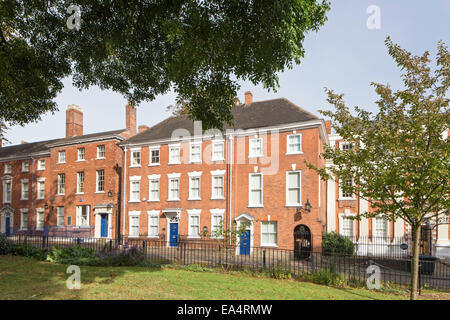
<point x="394" y="271"/>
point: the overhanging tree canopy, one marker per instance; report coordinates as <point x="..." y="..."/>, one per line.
<point x="141" y="49"/>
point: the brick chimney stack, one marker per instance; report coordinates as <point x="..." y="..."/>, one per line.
<point x="248" y="97"/>
<point x="328" y="126"/>
<point x="131" y="119"/>
<point x="74" y="121"/>
<point x="142" y="128"/>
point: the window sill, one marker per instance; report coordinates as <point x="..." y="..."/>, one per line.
<point x="255" y="206"/>
<point x="134" y="201"/>
<point x="153" y="237"/>
<point x="154" y="164"/>
<point x="195" y="162"/>
<point x="269" y="245"/>
<point x="135" y="166"/>
<point x="223" y="198"/>
<point x="194" y="237"/>
<point x="194" y="199"/>
<point x="23" y="199"/>
<point x="60" y="194"/>
<point x="100" y="158"/>
<point x="346" y="199"/>
<point x="99" y="192"/>
<point x="153" y="200"/>
<point x="133" y="237"/>
<point x="80" y="160"/>
<point x="293" y="153"/>
<point x="293" y="205"/>
<point x="39" y="198"/>
<point x="173" y="200"/>
<point x="60" y="163"/>
<point x="79" y="193"/>
<point x="218" y="159"/>
<point x="171" y="163"/>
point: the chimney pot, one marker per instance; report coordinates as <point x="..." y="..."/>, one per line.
<point x="74" y="121"/>
<point x="248" y="97"/>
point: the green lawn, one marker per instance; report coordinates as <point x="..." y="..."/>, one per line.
<point x="25" y="278"/>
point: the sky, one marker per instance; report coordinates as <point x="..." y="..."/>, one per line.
<point x="344" y="55"/>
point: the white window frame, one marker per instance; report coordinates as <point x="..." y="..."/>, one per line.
<point x="59" y="184"/>
<point x="8" y="168"/>
<point x="150" y="157"/>
<point x="191" y="146"/>
<point x="341" y="196"/>
<point x="153" y="178"/>
<point x="39" y="182"/>
<point x="24" y="212"/>
<point x="289" y="204"/>
<point x="194" y="213"/>
<point x="99" y="151"/>
<point x="61" y="155"/>
<point x="195" y="175"/>
<point x="173" y="147"/>
<point x="79" y="211"/>
<point x="40" y="211"/>
<point x="342" y="217"/>
<point x="132" y="214"/>
<point x="78" y="182"/>
<point x="288" y="137"/>
<point x="134" y="179"/>
<point x="22" y="189"/>
<point x="153" y="214"/>
<point x="7" y="196"/>
<point x="387" y="232"/>
<point x="251" y="188"/>
<point x="252" y="141"/>
<point x="97" y="181"/>
<point x="215" y="143"/>
<point x="217" y="213"/>
<point x="81" y="152"/>
<point x="267" y="244"/>
<point x="342" y="144"/>
<point x="173" y="177"/>
<point x="60" y="219"/>
<point x="214" y="174"/>
<point x="25" y="166"/>
<point x="41" y="164"/>
<point x="133" y="158"/>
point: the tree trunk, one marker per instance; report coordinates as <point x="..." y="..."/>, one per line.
<point x="415" y="262"/>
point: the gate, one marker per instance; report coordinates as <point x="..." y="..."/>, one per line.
<point x="302" y="242"/>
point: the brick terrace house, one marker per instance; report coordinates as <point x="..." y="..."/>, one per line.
<point x="66" y="187"/>
<point x="181" y="181"/>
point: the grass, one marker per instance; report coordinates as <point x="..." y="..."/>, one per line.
<point x="26" y="278"/>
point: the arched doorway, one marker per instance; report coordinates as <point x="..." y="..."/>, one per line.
<point x="302" y="242"/>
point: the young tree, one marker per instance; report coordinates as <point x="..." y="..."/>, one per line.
<point x="141" y="49"/>
<point x="400" y="159"/>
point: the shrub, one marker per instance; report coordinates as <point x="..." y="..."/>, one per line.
<point x="129" y="257"/>
<point x="326" y="277"/>
<point x="29" y="252"/>
<point x="5" y="244"/>
<point x="279" y="273"/>
<point x="336" y="244"/>
<point x="73" y="255"/>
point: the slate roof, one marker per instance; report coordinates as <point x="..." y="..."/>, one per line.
<point x="41" y="147"/>
<point x="258" y="114"/>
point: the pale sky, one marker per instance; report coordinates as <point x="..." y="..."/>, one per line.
<point x="345" y="55"/>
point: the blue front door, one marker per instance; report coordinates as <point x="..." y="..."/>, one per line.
<point x="244" y="243"/>
<point x="104" y="226"/>
<point x="7" y="226"/>
<point x="173" y="235"/>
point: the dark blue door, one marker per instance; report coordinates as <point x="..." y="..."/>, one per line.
<point x="244" y="243"/>
<point x="7" y="226"/>
<point x="104" y="226"/>
<point x="173" y="235"/>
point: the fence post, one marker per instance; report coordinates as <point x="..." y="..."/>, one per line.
<point x="264" y="258"/>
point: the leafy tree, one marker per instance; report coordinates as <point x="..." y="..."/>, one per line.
<point x="141" y="49"/>
<point x="400" y="159"/>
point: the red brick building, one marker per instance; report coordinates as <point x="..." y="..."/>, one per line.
<point x="181" y="181"/>
<point x="64" y="187"/>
